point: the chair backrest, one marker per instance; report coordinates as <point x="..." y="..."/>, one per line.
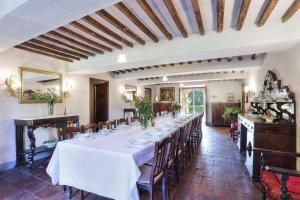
<point x="69" y="132"/>
<point x="161" y="158"/>
<point x="200" y="118"/>
<point x="108" y="124"/>
<point x="175" y="136"/>
<point x="94" y="127"/>
<point x="135" y="118"/>
<point x="122" y="121"/>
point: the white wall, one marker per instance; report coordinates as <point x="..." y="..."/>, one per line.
<point x="116" y="90"/>
<point x="214" y="88"/>
<point x="286" y="65"/>
<point x="77" y="103"/>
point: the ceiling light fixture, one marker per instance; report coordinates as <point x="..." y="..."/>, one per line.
<point x="122" y="56"/>
<point x="165" y="78"/>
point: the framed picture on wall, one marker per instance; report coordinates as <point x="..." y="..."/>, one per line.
<point x="229" y="97"/>
<point x="167" y="94"/>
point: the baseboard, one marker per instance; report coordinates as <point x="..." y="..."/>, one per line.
<point x="8" y="165"/>
<point x="208" y="123"/>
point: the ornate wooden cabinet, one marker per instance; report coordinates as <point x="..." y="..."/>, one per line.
<point x="217" y="111"/>
<point x="255" y="133"/>
<point x="275" y="104"/>
<point x="161" y="106"/>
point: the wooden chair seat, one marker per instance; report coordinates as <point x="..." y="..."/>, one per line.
<point x="272" y="184"/>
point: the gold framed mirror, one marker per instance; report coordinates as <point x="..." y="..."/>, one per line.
<point x="35" y="81"/>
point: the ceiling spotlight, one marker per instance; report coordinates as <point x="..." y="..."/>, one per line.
<point x="165" y="78"/>
<point x="122" y="58"/>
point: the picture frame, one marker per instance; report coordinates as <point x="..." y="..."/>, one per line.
<point x="230" y="97"/>
<point x="167" y="94"/>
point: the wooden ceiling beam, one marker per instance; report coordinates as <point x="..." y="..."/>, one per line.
<point x="42" y="53"/>
<point x="116" y="23"/>
<point x="94" y="34"/>
<point x="149" y="11"/>
<point x="50" y="46"/>
<point x="59" y="35"/>
<point x="106" y="30"/>
<point x="243" y="13"/>
<point x="47" y="50"/>
<point x="83" y="38"/>
<point x="122" y="8"/>
<point x="66" y="45"/>
<point x="197" y="12"/>
<point x="291" y="11"/>
<point x="173" y="12"/>
<point x="220" y="15"/>
<point x="267" y="12"/>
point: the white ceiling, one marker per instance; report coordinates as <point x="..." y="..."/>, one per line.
<point x="21" y="20"/>
<point x="273" y="36"/>
<point x="35" y="17"/>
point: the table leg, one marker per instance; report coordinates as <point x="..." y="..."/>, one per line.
<point x="32" y="145"/>
<point x="68" y="192"/>
<point x="20" y="154"/>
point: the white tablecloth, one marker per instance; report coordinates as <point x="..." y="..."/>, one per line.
<point x="104" y="165"/>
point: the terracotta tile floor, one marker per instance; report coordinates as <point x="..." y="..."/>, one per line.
<point x="215" y="172"/>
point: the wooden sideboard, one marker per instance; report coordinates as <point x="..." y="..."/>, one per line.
<point x="273" y="136"/>
<point x="32" y="123"/>
<point x="217" y="111"/>
<point x="161" y="106"/>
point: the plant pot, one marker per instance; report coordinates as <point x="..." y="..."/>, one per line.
<point x="50" y="109"/>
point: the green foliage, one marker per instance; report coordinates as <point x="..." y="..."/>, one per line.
<point x="49" y="97"/>
<point x="176" y="107"/>
<point x="144" y="106"/>
<point x="231" y="113"/>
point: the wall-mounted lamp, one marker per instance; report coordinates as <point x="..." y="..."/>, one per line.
<point x="68" y="86"/>
<point x="12" y="86"/>
<point x="249" y="92"/>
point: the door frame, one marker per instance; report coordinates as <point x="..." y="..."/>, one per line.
<point x="94" y="82"/>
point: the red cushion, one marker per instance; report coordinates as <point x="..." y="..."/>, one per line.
<point x="272" y="185"/>
<point x="293" y="183"/>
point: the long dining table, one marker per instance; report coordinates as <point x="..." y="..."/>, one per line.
<point x="108" y="165"/>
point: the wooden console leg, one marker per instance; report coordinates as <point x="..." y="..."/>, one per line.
<point x="32" y="146"/>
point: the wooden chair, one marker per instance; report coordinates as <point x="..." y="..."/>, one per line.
<point x="108" y="124"/>
<point x="92" y="126"/>
<point x="122" y="121"/>
<point x="197" y="131"/>
<point x="173" y="160"/>
<point x="135" y="118"/>
<point x="158" y="171"/>
<point x="69" y="132"/>
<point x="278" y="183"/>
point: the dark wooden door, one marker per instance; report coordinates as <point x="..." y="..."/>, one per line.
<point x="101" y="102"/>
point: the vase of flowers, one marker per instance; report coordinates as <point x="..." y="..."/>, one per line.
<point x="144" y="107"/>
<point x="175" y="109"/>
<point x="50" y="97"/>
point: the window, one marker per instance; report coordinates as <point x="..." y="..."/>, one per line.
<point x="193" y="100"/>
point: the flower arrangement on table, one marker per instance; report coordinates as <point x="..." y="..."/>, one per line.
<point x="175" y="109"/>
<point x="50" y="97"/>
<point x="144" y="107"/>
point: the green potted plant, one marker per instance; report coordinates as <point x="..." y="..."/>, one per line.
<point x="231" y="113"/>
<point x="144" y="107"/>
<point x="175" y="109"/>
<point x="50" y="97"/>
